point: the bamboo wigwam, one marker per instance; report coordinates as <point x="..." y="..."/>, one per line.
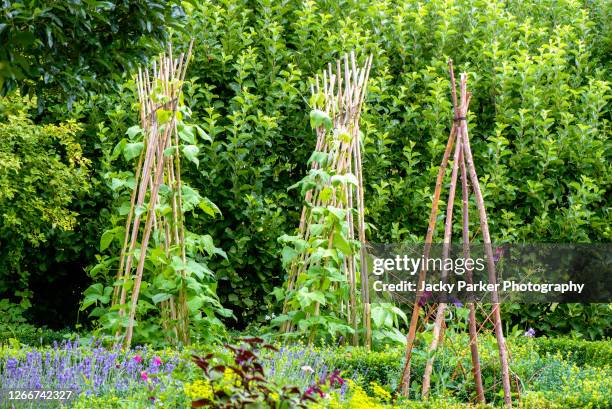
<point x="159" y="93"/>
<point x="463" y="162"/>
<point x="339" y="92"/>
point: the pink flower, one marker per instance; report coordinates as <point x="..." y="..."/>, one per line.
<point x="137" y="358"/>
<point x="157" y="361"/>
<point x="144" y="375"/>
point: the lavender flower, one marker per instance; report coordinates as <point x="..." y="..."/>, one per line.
<point x="530" y="333"/>
<point x="86" y="368"/>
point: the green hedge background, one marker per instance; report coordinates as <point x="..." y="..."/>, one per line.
<point x="539" y="124"/>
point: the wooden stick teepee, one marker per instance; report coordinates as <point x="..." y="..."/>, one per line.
<point x="343" y="92"/>
<point x="463" y="162"/>
<point x="159" y="93"/>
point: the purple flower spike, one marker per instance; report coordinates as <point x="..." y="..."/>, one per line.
<point x="530" y="333"/>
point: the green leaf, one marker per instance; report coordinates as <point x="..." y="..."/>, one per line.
<point x="117" y="183"/>
<point x="279" y="293"/>
<point x="187" y="133"/>
<point x="203" y="134"/>
<point x="118" y="149"/>
<point x="340" y="214"/>
<point x="340" y="243"/>
<point x="326" y="194"/>
<point x="88" y="301"/>
<point x="316" y="229"/>
<point x="288" y="254"/>
<point x="132" y="150"/>
<point x="124" y="208"/>
<point x="107" y="239"/>
<point x="177" y="264"/>
<point x="191" y="198"/>
<point x="344" y="179"/>
<point x="306" y="298"/>
<point x="318" y="118"/>
<point x="191" y="153"/>
<point x="195" y="303"/>
<point x="157" y="298"/>
<point x="163" y="116"/>
<point x="402" y="314"/>
<point x="170" y="151"/>
<point x="319" y="157"/>
<point x="200" y="270"/>
<point x="209" y="207"/>
<point x="140" y="209"/>
<point x="379" y="315"/>
<point x="133" y="131"/>
<point x="208" y="245"/>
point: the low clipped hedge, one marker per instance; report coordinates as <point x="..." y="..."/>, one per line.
<point x="31" y="335"/>
<point x="585" y="364"/>
<point x="580" y="352"/>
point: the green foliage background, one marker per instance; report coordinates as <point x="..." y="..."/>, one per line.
<point x="65" y="49"/>
<point x="539" y="125"/>
<point x="539" y="117"/>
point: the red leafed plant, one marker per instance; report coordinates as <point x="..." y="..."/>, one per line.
<point x="243" y="384"/>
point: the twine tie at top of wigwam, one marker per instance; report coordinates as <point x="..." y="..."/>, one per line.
<point x="459" y="118"/>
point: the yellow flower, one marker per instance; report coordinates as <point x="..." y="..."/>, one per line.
<point x="230" y="377"/>
<point x="200" y="389"/>
<point x="379" y="392"/>
<point x="359" y="398"/>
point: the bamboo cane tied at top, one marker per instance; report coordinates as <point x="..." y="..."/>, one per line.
<point x="462" y="160"/>
<point x="343" y="91"/>
<point x="153" y="169"/>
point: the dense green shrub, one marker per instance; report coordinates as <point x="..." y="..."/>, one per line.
<point x="595" y="353"/>
<point x="539" y="118"/>
<point x="589" y="321"/>
<point x="42" y="170"/>
<point x="77" y="46"/>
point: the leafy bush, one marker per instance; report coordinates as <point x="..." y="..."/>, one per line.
<point x="589" y="321"/>
<point x="74" y="47"/>
<point x="42" y="171"/>
<point x="596" y="353"/>
<point x="243" y="383"/>
<point x="539" y="120"/>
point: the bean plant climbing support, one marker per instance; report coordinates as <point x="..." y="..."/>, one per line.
<point x="327" y="286"/>
<point x="463" y="163"/>
<point x="159" y="167"/>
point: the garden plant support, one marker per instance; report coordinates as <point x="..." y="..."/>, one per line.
<point x="159" y="92"/>
<point x="339" y="97"/>
<point x="463" y="161"/>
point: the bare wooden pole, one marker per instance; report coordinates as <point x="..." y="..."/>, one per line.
<point x="461" y="157"/>
<point x="476" y="370"/>
<point x="445" y="253"/>
<point x="484" y="227"/>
